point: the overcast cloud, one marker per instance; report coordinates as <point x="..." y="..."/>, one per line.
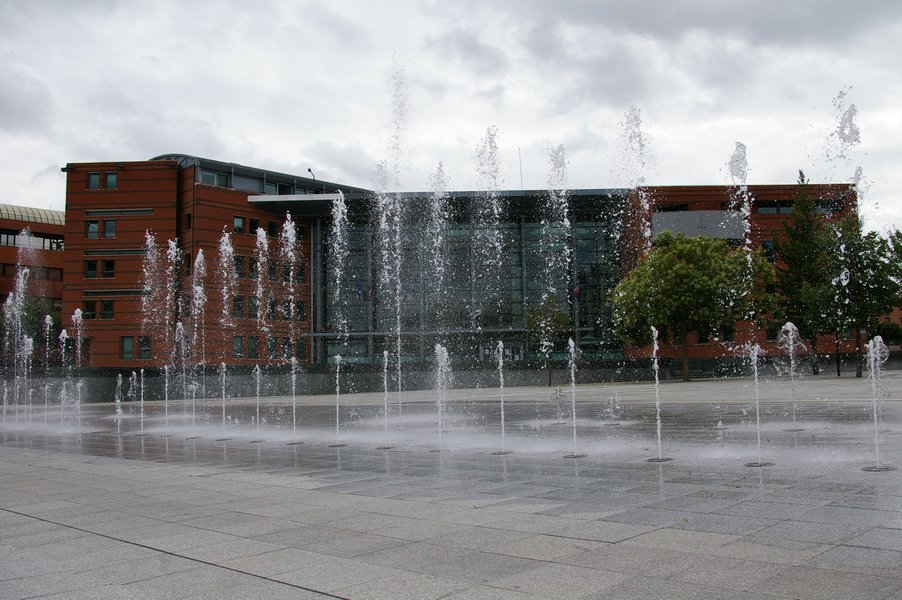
<point x="291" y="86"/>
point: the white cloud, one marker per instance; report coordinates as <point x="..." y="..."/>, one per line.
<point x="289" y="86"/>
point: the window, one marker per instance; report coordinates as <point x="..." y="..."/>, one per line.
<point x="770" y="250"/>
<point x="90" y="310"/>
<point x="252" y="307"/>
<point x="728" y="334"/>
<point x="286" y="348"/>
<point x="273" y="270"/>
<point x="144" y="347"/>
<point x="301" y="349"/>
<point x="117" y="252"/>
<point x="214" y="178"/>
<point x="109" y="229"/>
<point x="286" y="273"/>
<point x="253" y="347"/>
<point x="660" y="208"/>
<point x="119" y="212"/>
<point x="237" y="346"/>
<point x="109" y="268"/>
<point x="300" y="311"/>
<point x="272" y="229"/>
<point x="270" y="188"/>
<point x="110" y="180"/>
<point x="252" y="270"/>
<point x="286" y="310"/>
<point x="106" y="309"/>
<point x="239" y="266"/>
<point x="782" y="207"/>
<point x="238" y="224"/>
<point x="90" y="269"/>
<point x="301" y="275"/>
<point x="773" y="331"/>
<point x="271" y="309"/>
<point x="92" y="230"/>
<point x="187" y="221"/>
<point x="272" y="346"/>
<point x="828" y="206"/>
<point x="127" y="345"/>
<point x="254" y="226"/>
<point x="238" y="307"/>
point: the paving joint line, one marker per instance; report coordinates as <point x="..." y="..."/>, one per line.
<point x="175" y="554"/>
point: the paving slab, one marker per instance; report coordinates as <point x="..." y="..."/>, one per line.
<point x="101" y="513"/>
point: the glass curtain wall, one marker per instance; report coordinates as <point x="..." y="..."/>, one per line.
<point x="473" y="305"/>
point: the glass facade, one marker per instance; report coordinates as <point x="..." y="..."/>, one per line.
<point x="468" y="285"/>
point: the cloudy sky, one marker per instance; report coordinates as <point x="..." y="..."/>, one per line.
<point x="291" y="85"/>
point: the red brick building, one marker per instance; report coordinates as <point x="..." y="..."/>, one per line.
<point x="40" y="250"/>
<point x="31" y="243"/>
<point x="110" y="206"/>
<point x="192" y="201"/>
<point x="719" y="212"/>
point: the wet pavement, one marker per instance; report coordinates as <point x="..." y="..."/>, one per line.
<point x="175" y="503"/>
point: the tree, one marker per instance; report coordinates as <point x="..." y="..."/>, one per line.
<point x="547" y="320"/>
<point x="864" y="285"/>
<point x="804" y="277"/>
<point x="687" y="284"/>
<point x="33" y="324"/>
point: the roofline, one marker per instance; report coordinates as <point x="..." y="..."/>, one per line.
<point x="186" y="160"/>
<point x="39" y="216"/>
<point x="521" y="193"/>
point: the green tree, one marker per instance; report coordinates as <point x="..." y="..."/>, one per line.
<point x="804" y="275"/>
<point x="864" y="285"/>
<point x="548" y="320"/>
<point x="34" y="313"/>
<point x="687" y="284"/>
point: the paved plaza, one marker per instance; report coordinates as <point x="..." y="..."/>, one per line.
<point x="181" y="506"/>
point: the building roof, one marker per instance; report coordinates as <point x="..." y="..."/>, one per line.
<point x="30" y="214"/>
<point x="311" y="183"/>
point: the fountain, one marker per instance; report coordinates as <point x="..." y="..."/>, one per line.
<point x="163" y="315"/>
<point x="499" y="353"/>
<point x="142" y="400"/>
<point x="487" y="241"/>
<point x="117" y="399"/>
<point x="222" y="380"/>
<point x="294" y="399"/>
<point x="198" y="313"/>
<point x="442" y="382"/>
<point x="790" y="342"/>
<point x="48" y="324"/>
<point x="257" y="388"/>
<point x="571" y="366"/>
<point x="260" y="272"/>
<point x="337" y="443"/>
<point x="384" y="445"/>
<point x="436" y="244"/>
<point x="754" y="352"/>
<point x="656" y="367"/>
<point x="166" y="397"/>
<point x="288" y="252"/>
<point x="877" y="355"/>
